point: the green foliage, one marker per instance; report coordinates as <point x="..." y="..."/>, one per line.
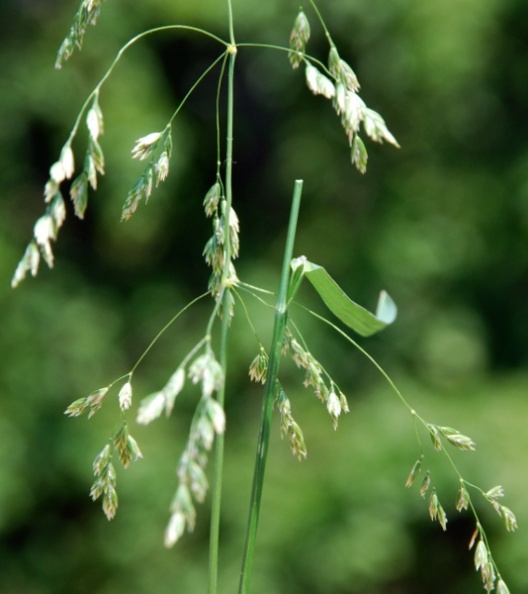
<point x="353" y="315"/>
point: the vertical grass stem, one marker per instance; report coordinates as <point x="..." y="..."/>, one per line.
<point x="216" y="495"/>
<point x="269" y="395"/>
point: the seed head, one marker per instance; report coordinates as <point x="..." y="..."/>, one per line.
<point x="125" y="396"/>
<point x="145" y="145"/>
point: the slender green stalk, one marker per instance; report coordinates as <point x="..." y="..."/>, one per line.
<point x="196" y="84"/>
<point x="219" y="442"/>
<point x="118" y="57"/>
<point x="269" y="394"/>
<point x="320" y="17"/>
<point x="231" y="22"/>
<point x="164" y="329"/>
<point x="216" y="493"/>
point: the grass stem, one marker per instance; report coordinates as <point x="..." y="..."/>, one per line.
<point x="269" y="396"/>
<point x="219" y="442"/>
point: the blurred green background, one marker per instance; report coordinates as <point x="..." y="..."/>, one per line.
<point x="441" y="224"/>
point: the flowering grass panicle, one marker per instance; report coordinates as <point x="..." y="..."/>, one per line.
<point x="336" y="81"/>
<point x="87" y="14"/>
<point x="341" y="86"/>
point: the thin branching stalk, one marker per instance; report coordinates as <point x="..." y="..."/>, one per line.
<point x="216" y="493"/>
<point x="269" y="396"/>
<point x="219" y="443"/>
<point x="416" y="417"/>
<point x="164" y="329"/>
<point x="118" y="57"/>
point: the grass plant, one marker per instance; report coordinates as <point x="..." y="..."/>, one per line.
<point x="206" y="363"/>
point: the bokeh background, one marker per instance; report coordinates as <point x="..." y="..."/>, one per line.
<point x="441" y="224"/>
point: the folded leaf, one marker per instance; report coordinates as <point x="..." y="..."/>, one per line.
<point x="350" y="313"/>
